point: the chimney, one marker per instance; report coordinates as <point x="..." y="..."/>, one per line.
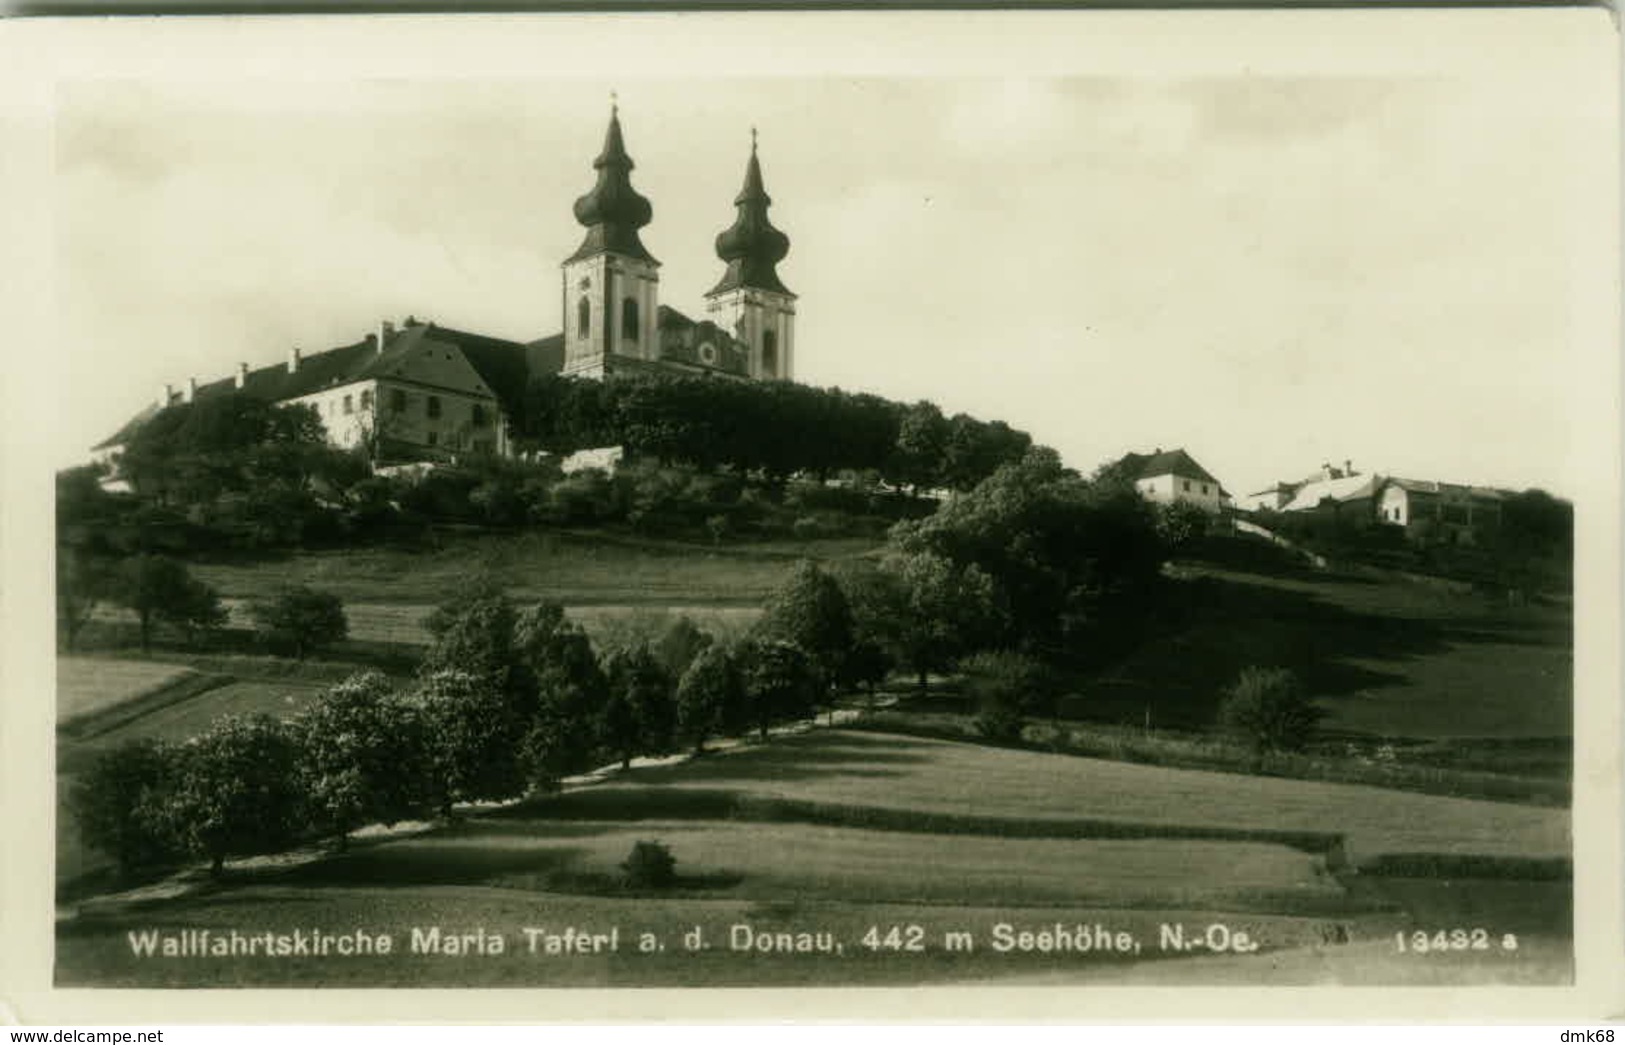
<point x="165" y="395"/>
<point x="191" y="390"/>
<point x="1348" y="466"/>
<point x="242" y="374"/>
<point x="293" y="360"/>
<point x="386" y="330"/>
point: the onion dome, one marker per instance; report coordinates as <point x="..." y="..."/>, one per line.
<point x="613" y="212"/>
<point x="752" y="246"/>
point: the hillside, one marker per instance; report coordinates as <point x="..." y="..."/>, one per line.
<point x="784" y="837"/>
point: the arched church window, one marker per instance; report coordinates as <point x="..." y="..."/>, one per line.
<point x="770" y="353"/>
<point x="629" y="319"/>
<point x="583" y="318"/>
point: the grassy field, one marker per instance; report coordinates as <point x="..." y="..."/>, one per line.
<point x="1387" y="657"/>
<point x="777" y="861"/>
<point x="839" y="767"/>
<point x="552" y="864"/>
<point x="85" y="685"/>
<point x="836" y="830"/>
<point x="576" y="569"/>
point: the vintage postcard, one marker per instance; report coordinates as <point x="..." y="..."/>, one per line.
<point x="1001" y="509"/>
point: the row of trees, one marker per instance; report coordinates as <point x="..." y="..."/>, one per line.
<point x="506" y="701"/>
<point x="775" y="428"/>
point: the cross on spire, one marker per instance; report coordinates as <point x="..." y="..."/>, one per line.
<point x="614" y="102"/>
<point x="753" y="137"/>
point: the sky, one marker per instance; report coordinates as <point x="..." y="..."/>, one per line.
<point x="1271" y="270"/>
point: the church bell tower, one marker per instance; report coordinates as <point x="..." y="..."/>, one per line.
<point x="611" y="283"/>
<point x="750" y="302"/>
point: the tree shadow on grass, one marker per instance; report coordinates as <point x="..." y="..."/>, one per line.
<point x="822" y="753"/>
<point x="1215" y="627"/>
<point x="433" y="862"/>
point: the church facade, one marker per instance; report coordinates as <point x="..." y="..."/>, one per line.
<point x="426" y="392"/>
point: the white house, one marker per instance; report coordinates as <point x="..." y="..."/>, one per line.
<point x="1173" y="475"/>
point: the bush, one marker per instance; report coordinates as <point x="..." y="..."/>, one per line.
<point x="1007" y="687"/>
<point x="1268" y="708"/>
<point x="300" y="620"/>
<point x="650" y="865"/>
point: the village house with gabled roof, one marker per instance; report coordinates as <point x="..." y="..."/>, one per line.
<point x="1166" y="476"/>
<point x="426" y="392"/>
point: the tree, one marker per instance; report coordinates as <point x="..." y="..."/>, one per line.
<point x="300" y="618"/>
<point x="237" y="791"/>
<point x="945" y="609"/>
<point x="920" y="457"/>
<point x="810" y="611"/>
<point x="82" y="581"/>
<point x="571" y="691"/>
<point x="780" y="684"/>
<point x="119" y="803"/>
<point x="473" y="633"/>
<point x="364" y="756"/>
<point x="680" y="642"/>
<point x="867" y="666"/>
<point x="159" y="588"/>
<point x="476" y="737"/>
<point x="1067" y="560"/>
<point x="640" y="716"/>
<point x="710" y="697"/>
<point x="1270" y="710"/>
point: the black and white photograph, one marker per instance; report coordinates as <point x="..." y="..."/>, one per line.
<point x="689" y="502"/>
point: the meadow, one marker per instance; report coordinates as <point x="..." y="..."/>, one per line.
<point x="1053" y="839"/>
<point x="837" y="830"/>
<point x="577" y="569"/>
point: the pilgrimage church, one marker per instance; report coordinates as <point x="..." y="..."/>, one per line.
<point x="423" y="391"/>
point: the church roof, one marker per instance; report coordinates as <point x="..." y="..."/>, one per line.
<point x="613" y="211"/>
<point x="752" y="246"/>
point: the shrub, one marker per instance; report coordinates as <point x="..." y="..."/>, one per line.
<point x="1006" y="687"/>
<point x="1270" y="710"/>
<point x="650" y="865"/>
<point x="300" y="619"/>
<point x="807" y="528"/>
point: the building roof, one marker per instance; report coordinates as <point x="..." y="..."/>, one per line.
<point x="1344" y="488"/>
<point x="1166" y="462"/>
<point x="752" y="246"/>
<point x="1431" y="486"/>
<point x="613" y="211"/>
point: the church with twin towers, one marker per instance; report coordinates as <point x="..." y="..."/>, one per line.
<point x="418" y="390"/>
<point x="611" y="284"/>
